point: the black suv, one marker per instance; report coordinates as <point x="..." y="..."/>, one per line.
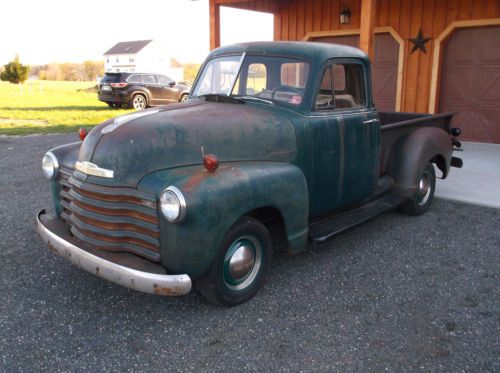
<point x="140" y="90"/>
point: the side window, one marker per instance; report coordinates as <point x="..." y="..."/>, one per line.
<point x="349" y="86"/>
<point x="149" y="79"/>
<point x="294" y="74"/>
<point x="257" y="79"/>
<point x="342" y="87"/>
<point x="134" y="79"/>
<point x="164" y="80"/>
<point x="325" y="99"/>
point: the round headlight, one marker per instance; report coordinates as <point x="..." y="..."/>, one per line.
<point x="173" y="204"/>
<point x="50" y="166"/>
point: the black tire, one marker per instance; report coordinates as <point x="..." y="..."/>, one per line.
<point x="138" y="102"/>
<point x="424" y="195"/>
<point x="184" y="97"/>
<point x="218" y="285"/>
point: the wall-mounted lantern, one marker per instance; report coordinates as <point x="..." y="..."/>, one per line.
<point x="344" y="16"/>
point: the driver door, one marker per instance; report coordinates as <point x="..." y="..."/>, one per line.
<point x="346" y="135"/>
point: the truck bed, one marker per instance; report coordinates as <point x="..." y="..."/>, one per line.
<point x="395" y="125"/>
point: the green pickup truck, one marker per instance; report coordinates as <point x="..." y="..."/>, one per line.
<point x="280" y="142"/>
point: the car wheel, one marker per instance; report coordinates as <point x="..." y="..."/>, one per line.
<point x="139" y="102"/>
<point x="184" y="97"/>
<point x="240" y="266"/>
<point x="424" y="195"/>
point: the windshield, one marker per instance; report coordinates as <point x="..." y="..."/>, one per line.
<point x="265" y="78"/>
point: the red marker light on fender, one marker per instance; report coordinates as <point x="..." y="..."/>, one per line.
<point x="210" y="162"/>
<point x="82" y="132"/>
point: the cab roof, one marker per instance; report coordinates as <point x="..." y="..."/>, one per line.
<point x="312" y="51"/>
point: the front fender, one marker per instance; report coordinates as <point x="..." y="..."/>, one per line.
<point x="411" y="154"/>
<point x="215" y="201"/>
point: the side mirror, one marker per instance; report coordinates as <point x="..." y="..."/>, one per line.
<point x="171" y="84"/>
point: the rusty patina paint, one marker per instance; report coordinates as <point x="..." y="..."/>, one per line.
<point x="175" y="136"/>
<point x="298" y="161"/>
<point x="217" y="200"/>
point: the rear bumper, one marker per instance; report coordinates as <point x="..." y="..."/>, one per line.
<point x="146" y="282"/>
<point x="118" y="98"/>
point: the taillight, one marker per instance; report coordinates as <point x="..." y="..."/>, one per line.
<point x="118" y="85"/>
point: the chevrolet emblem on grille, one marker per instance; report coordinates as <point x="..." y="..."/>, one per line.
<point x="94" y="170"/>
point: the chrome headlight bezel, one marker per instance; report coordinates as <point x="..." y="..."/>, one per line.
<point x="172" y="196"/>
<point x="54" y="164"/>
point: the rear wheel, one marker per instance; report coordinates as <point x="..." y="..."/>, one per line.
<point x="139" y="102"/>
<point x="184" y="97"/>
<point x="240" y="266"/>
<point x="422" y="199"/>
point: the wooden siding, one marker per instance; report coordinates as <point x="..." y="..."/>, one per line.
<point x="295" y="18"/>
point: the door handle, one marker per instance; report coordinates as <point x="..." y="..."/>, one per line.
<point x="371" y="121"/>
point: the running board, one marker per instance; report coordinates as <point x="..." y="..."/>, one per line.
<point x="326" y="229"/>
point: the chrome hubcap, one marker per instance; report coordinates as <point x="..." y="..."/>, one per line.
<point x="424" y="188"/>
<point x="242" y="262"/>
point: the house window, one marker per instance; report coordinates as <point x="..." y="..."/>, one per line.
<point x="117" y="59"/>
<point x="131" y="59"/>
<point x="107" y="60"/>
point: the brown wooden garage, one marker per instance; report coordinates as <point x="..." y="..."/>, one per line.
<point x="384" y="68"/>
<point x="470" y="82"/>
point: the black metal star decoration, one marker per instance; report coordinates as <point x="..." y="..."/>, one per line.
<point x="419" y="42"/>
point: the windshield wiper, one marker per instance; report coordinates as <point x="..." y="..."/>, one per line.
<point x="219" y="97"/>
<point x="254" y="98"/>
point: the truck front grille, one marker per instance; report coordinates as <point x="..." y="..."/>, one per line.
<point x="113" y="219"/>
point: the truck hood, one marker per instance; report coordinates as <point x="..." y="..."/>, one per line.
<point x="173" y="136"/>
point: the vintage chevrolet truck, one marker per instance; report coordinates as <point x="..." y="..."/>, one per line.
<point x="279" y="142"/>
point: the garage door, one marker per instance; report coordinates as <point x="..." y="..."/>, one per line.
<point x="384" y="68"/>
<point x="470" y="82"/>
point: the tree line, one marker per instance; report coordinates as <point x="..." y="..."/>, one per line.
<point x="15" y="72"/>
<point x="86" y="71"/>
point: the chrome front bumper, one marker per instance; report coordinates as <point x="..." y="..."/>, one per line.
<point x="146" y="282"/>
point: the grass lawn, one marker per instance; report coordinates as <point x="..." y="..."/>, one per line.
<point x="47" y="106"/>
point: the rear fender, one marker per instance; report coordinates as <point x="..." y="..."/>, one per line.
<point x="215" y="201"/>
<point x="413" y="152"/>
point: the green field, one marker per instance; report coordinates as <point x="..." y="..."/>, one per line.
<point x="47" y="106"/>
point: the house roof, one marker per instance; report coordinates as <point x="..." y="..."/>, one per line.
<point x="127" y="47"/>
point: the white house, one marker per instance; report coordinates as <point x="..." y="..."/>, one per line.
<point x="144" y="56"/>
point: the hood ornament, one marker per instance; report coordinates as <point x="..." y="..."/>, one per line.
<point x="89" y="168"/>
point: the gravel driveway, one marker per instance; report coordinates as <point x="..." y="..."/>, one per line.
<point x="398" y="293"/>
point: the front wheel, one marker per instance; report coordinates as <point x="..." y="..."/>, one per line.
<point x="240" y="266"/>
<point x="184" y="97"/>
<point x="422" y="199"/>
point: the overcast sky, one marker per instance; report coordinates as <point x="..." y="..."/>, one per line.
<point x="74" y="31"/>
